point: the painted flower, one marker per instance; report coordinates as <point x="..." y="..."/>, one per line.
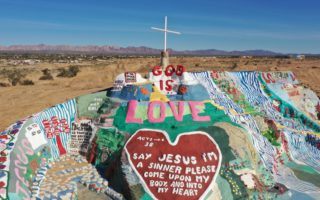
<point x="183" y="89"/>
<point x="3" y="159"/>
<point x="34" y="165"/>
<point x="3" y="191"/>
<point x="3" y="146"/>
<point x="144" y="91"/>
<point x="2" y="184"/>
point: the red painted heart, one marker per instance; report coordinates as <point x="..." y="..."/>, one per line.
<point x="185" y="169"/>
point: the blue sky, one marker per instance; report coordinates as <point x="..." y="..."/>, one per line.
<point x="287" y="26"/>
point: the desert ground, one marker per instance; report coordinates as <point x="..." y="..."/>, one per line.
<point x="98" y="73"/>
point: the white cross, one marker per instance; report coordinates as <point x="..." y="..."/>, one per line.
<point x="165" y="30"/>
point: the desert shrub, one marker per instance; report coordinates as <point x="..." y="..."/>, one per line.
<point x="46" y="75"/>
<point x="61" y="72"/>
<point x="15" y="76"/>
<point x="4" y="84"/>
<point x="72" y="71"/>
<point x="234" y="66"/>
<point x="26" y="82"/>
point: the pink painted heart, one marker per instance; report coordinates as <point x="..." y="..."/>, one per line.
<point x="185" y="169"/>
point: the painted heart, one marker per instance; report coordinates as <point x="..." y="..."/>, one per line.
<point x="185" y="169"/>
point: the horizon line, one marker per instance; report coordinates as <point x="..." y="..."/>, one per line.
<point x="154" y="48"/>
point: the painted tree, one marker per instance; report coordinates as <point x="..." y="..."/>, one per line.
<point x="53" y="128"/>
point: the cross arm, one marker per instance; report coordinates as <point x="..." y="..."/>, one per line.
<point x="165" y="30"/>
<point x="158" y="29"/>
<point x="175" y="32"/>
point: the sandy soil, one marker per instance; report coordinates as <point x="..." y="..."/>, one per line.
<point x="17" y="102"/>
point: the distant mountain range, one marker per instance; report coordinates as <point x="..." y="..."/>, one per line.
<point x="109" y="50"/>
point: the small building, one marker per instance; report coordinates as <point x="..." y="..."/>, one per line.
<point x="300" y="57"/>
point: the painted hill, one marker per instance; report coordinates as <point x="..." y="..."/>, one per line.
<point x="172" y="135"/>
<point x="127" y="50"/>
